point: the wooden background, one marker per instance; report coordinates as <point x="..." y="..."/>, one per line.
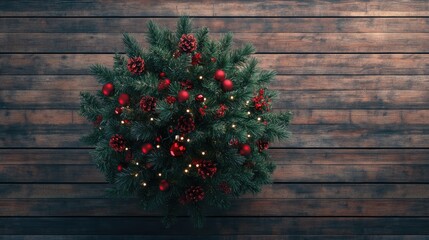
<point x="354" y="72"/>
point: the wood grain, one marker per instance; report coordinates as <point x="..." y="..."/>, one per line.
<point x="266" y="42"/>
<point x="335" y="64"/>
<point x="215" y="8"/>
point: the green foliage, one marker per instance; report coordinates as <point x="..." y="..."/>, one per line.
<point x="219" y="136"/>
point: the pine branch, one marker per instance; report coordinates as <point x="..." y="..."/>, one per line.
<point x="132" y="47"/>
<point x="184" y="26"/>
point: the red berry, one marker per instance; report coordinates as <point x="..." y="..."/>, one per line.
<point x="164" y="185"/>
<point x="108" y="89"/>
<point x="120" y="167"/>
<point x="162" y="75"/>
<point x="146" y="148"/>
<point x="124" y="99"/>
<point x="219" y="75"/>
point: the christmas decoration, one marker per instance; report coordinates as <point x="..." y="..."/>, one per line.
<point x="194" y="140"/>
<point x="135" y="65"/>
<point x="108" y="89"/>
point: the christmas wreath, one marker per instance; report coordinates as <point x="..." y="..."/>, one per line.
<point x="183" y="124"/>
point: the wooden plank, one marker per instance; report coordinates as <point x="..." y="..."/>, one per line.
<point x="317" y="135"/>
<point x="282" y="82"/>
<point x="215" y="8"/>
<point x="274" y="191"/>
<point x="55" y="173"/>
<point x="217" y="25"/>
<point x="215" y="226"/>
<point x="335" y="64"/>
<point x="267" y="42"/>
<point x="300" y="117"/>
<point x="242" y="207"/>
<point x="280" y="156"/>
<point x="335" y="99"/>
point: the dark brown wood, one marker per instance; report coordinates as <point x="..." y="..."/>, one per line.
<point x="336" y="64"/>
<point x="217" y="226"/>
<point x="217" y="25"/>
<point x="274" y="191"/>
<point x="266" y="42"/>
<point x="215" y="8"/>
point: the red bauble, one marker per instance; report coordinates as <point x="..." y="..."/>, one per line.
<point x="177" y="149"/>
<point x="164" y="185"/>
<point x="118" y="110"/>
<point x="227" y="85"/>
<point x="108" y="89"/>
<point x="120" y="167"/>
<point x="162" y="75"/>
<point x="199" y="98"/>
<point x="135" y="65"/>
<point x="245" y="150"/>
<point x="164" y="84"/>
<point x="146" y="148"/>
<point x="124" y="99"/>
<point x="219" y="75"/>
<point x="183" y="95"/>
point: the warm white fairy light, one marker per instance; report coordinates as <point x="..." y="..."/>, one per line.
<point x="136" y="175"/>
<point x="126" y="149"/>
<point x="205" y="99"/>
<point x="248" y="135"/>
<point x="259" y="119"/>
<point x="233" y="125"/>
<point x="186" y="170"/>
<point x="232" y="97"/>
<point x="197" y="165"/>
<point x="203" y="153"/>
<point x="248" y="113"/>
<point x="151" y="119"/>
<point x="181" y="138"/>
<point x="137" y="163"/>
<point x="188" y="140"/>
<point x="200" y="77"/>
<point x="188" y="111"/>
<point x="160" y="174"/>
<point x="122" y="122"/>
<point x="144" y="184"/>
<point x="190" y="165"/>
<point x="158" y="146"/>
<point x="247" y="102"/>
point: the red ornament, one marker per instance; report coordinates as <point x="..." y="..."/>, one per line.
<point x="245" y="150"/>
<point x="146" y="148"/>
<point x="108" y="89"/>
<point x="135" y="65"/>
<point x="124" y="99"/>
<point x="164" y="185"/>
<point x="164" y="84"/>
<point x="120" y="167"/>
<point x="118" y="110"/>
<point x="170" y="99"/>
<point x="199" y="98"/>
<point x="196" y="59"/>
<point x="227" y="85"/>
<point x="219" y="75"/>
<point x="186" y="124"/>
<point x="183" y="95"/>
<point x="188" y="43"/>
<point x="117" y="142"/>
<point x="177" y="149"/>
<point x="147" y="103"/>
<point x="162" y="75"/>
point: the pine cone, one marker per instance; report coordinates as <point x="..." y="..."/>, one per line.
<point x="194" y="194"/>
<point x="148" y="103"/>
<point x="225" y="188"/>
<point x="188" y="43"/>
<point x="135" y="65"/>
<point x="262" y="145"/>
<point x="117" y="142"/>
<point x="206" y="168"/>
<point x="186" y="124"/>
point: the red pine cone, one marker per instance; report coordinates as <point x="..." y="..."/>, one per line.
<point x="262" y="145"/>
<point x="147" y="103"/>
<point x="117" y="142"/>
<point x="186" y="124"/>
<point x="221" y="110"/>
<point x="194" y="194"/>
<point x="135" y="65"/>
<point x="225" y="188"/>
<point x="261" y="102"/>
<point x="188" y="43"/>
<point x="197" y="59"/>
<point x="187" y="84"/>
<point x="206" y="168"/>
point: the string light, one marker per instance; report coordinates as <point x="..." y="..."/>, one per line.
<point x="247" y="102"/>
<point x="200" y="77"/>
<point x="126" y="149"/>
<point x="159" y="174"/>
<point x="232" y="97"/>
<point x="197" y="165"/>
<point x="144" y="184"/>
<point x="151" y="119"/>
<point x="248" y="113"/>
<point x="190" y="165"/>
<point x="181" y="138"/>
<point x="122" y="122"/>
<point x="259" y="119"/>
<point x="188" y="140"/>
<point x="233" y="126"/>
<point x="188" y="111"/>
<point x="136" y="175"/>
<point x="205" y="99"/>
<point x="137" y="163"/>
<point x="158" y="146"/>
<point x="248" y="135"/>
<point x="203" y="153"/>
<point x="186" y="170"/>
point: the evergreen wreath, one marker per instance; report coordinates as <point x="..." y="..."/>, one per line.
<point x="185" y="123"/>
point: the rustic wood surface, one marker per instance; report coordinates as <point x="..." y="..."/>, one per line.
<point x="355" y="74"/>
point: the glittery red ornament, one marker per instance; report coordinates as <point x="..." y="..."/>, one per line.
<point x="219" y="75"/>
<point x="186" y="124"/>
<point x="147" y="103"/>
<point x="164" y="185"/>
<point x="245" y="150"/>
<point x="196" y="59"/>
<point x="146" y="148"/>
<point x="227" y="85"/>
<point x="262" y="145"/>
<point x="183" y="95"/>
<point x="206" y="169"/>
<point x="188" y="43"/>
<point x="194" y="194"/>
<point x="199" y="98"/>
<point x="170" y="99"/>
<point x="164" y="84"/>
<point x="124" y="99"/>
<point x="108" y="89"/>
<point x="118" y="110"/>
<point x="177" y="149"/>
<point x="162" y="75"/>
<point x="135" y="65"/>
<point x="117" y="142"/>
<point x="120" y="167"/>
